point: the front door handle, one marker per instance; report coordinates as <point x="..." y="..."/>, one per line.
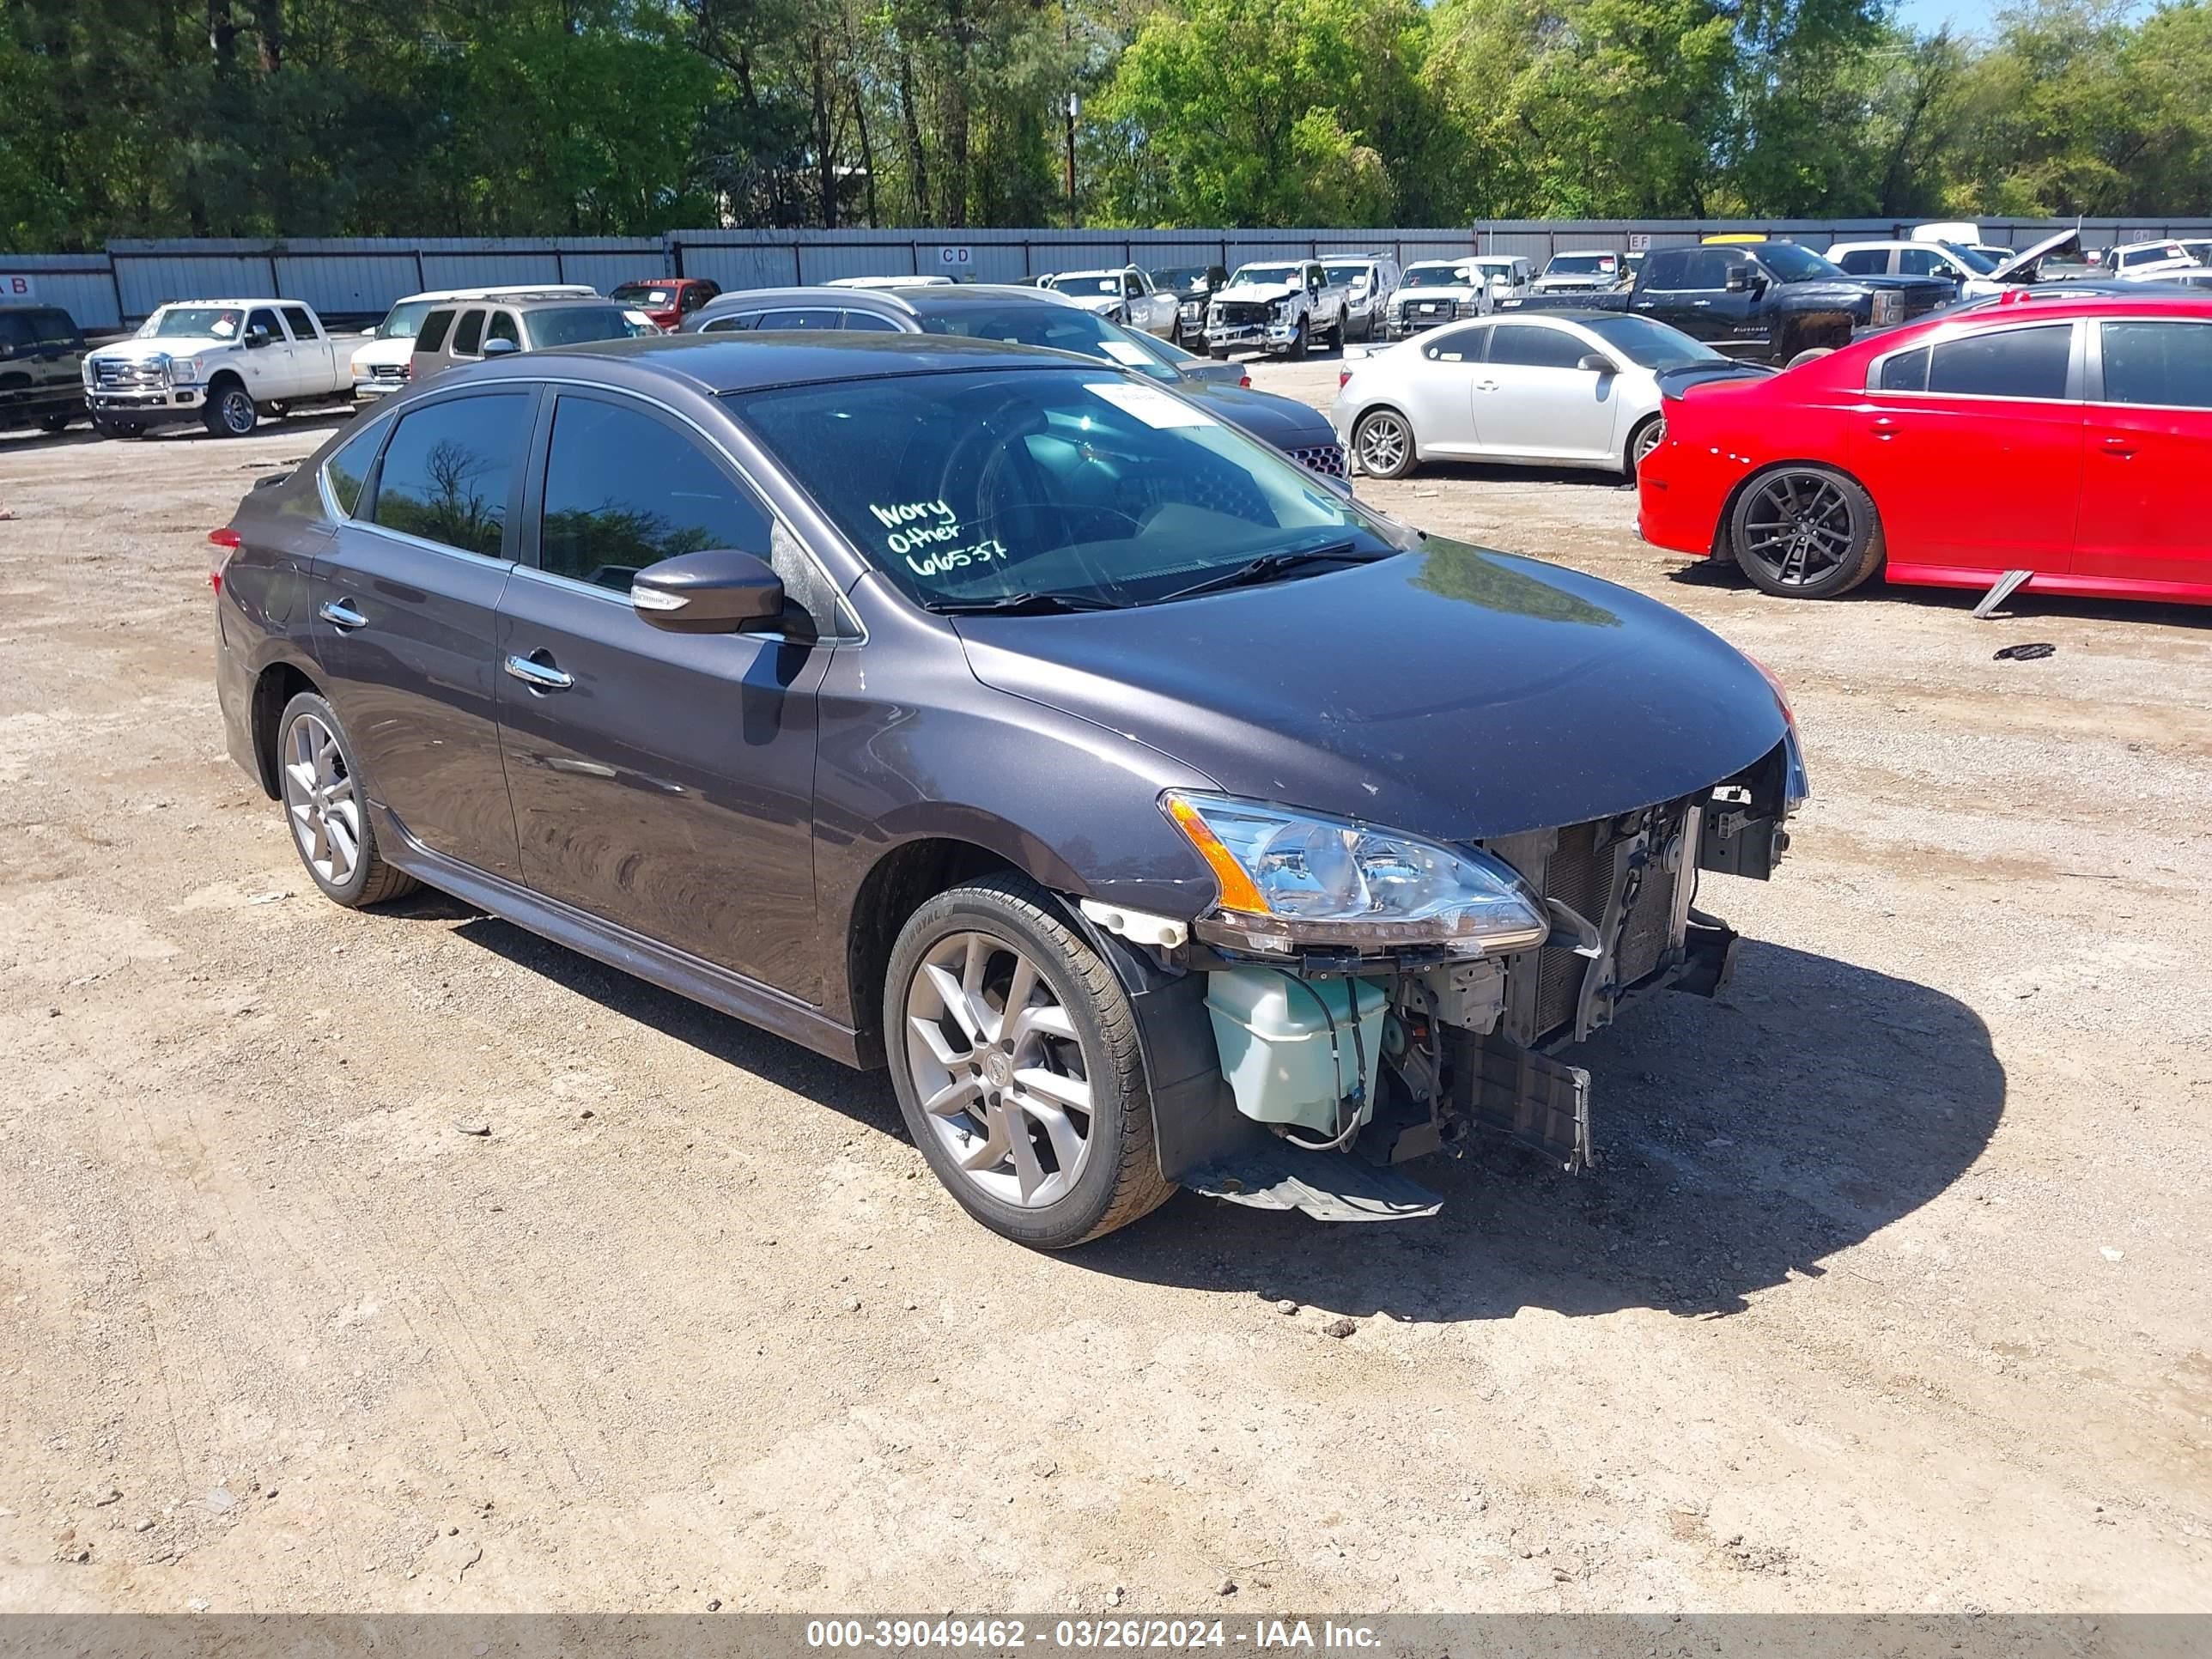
<point x="1701" y="302"/>
<point x="1645" y="304"/>
<point x="2122" y="447"/>
<point x="1884" y="428"/>
<point x="540" y="677"/>
<point x="341" y="615"/>
<point x="1486" y="386"/>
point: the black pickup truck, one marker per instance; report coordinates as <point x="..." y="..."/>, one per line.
<point x="1764" y="302"/>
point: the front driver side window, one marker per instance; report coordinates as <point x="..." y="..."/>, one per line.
<point x="624" y="490"/>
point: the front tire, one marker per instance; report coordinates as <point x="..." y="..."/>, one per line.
<point x="326" y="804"/>
<point x="1298" y="347"/>
<point x="1382" y="439"/>
<point x="1013" y="1052"/>
<point x="1806" y="532"/>
<point x="229" y="410"/>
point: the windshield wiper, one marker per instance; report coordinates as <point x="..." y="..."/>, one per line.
<point x="1035" y="603"/>
<point x="1269" y="566"/>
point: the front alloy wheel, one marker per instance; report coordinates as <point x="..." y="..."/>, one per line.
<point x="1014" y="1051"/>
<point x="230" y="411"/>
<point x="1806" y="532"/>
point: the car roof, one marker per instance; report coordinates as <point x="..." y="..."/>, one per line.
<point x="540" y="301"/>
<point x="718" y="363"/>
<point x="912" y="301"/>
<point x="515" y="291"/>
<point x="264" y="300"/>
<point x="2049" y="302"/>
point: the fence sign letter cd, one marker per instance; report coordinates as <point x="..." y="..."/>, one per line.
<point x="955" y="259"/>
<point x="16" y="288"/>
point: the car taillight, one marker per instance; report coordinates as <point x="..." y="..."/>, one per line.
<point x="228" y="540"/>
<point x="1342" y="375"/>
<point x="1244" y="380"/>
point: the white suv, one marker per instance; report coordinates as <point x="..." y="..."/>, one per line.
<point x="1368" y="280"/>
<point x="380" y="366"/>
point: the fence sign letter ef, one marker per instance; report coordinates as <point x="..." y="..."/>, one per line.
<point x="1639" y="241"/>
<point x="952" y="260"/>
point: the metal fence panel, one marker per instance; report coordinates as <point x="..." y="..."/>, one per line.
<point x="83" y="284"/>
<point x="149" y="281"/>
<point x="489" y="269"/>
<point x="348" y="284"/>
<point x="607" y="270"/>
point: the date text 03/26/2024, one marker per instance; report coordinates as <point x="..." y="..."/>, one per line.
<point x="1085" y="1635"/>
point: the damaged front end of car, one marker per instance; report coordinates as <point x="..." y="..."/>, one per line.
<point x="1357" y="999"/>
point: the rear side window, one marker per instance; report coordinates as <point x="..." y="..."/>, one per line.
<point x="744" y="322"/>
<point x="468" y="339"/>
<point x="1905" y="372"/>
<point x="1531" y="345"/>
<point x="2158" y="363"/>
<point x="1456" y="345"/>
<point x="804" y="318"/>
<point x="867" y="320"/>
<point x="432" y="335"/>
<point x="449" y="468"/>
<point x="39" y="328"/>
<point x="346" y="471"/>
<point x="2017" y="362"/>
<point x="1666" y="269"/>
<point x="303" y="325"/>
<point x="622" y="491"/>
<point x="1866" y="261"/>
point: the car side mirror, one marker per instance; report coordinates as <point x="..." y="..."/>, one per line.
<point x="500" y="347"/>
<point x="256" y="337"/>
<point x="1595" y="362"/>
<point x="1739" y="279"/>
<point x="717" y="591"/>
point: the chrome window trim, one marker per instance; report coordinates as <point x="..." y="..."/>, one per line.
<point x="330" y="508"/>
<point x="859" y="635"/>
<point x="428" y="545"/>
<point x="2095" y="379"/>
<point x="2076" y="367"/>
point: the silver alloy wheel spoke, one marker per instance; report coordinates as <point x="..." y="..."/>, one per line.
<point x="999" y="1069"/>
<point x="1382" y="444"/>
<point x="320" y="800"/>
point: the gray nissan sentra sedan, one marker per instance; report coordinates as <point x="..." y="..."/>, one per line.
<point x="1156" y="813"/>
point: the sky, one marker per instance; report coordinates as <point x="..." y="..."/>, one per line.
<point x="1965" y="16"/>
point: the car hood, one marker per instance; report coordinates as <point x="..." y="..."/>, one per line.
<point x="1409" y="296"/>
<point x="1257" y="293"/>
<point x="1574" y="279"/>
<point x="1286" y="423"/>
<point x="1101" y="303"/>
<point x="167" y="345"/>
<point x="1451" y="691"/>
<point x="2021" y="268"/>
<point x="397" y="349"/>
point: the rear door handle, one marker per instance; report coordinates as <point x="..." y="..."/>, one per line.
<point x="1884" y="428"/>
<point x="540" y="677"/>
<point x="2122" y="447"/>
<point x="341" y="615"/>
<point x="1645" y="304"/>
<point x="1701" y="302"/>
<point x="1486" y="386"/>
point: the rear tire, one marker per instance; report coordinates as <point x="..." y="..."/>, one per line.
<point x="55" y="424"/>
<point x="1383" y="442"/>
<point x="1649" y="434"/>
<point x="326" y="808"/>
<point x="1220" y="354"/>
<point x="992" y="1100"/>
<point x="1806" y="532"/>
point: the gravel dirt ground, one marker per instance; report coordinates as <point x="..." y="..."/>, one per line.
<point x="1892" y="1294"/>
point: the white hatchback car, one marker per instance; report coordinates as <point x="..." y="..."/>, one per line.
<point x="1579" y="389"/>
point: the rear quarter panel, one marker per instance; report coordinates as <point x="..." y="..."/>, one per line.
<point x="1721" y="433"/>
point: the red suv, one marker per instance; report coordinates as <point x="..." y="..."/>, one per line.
<point x="2067" y="438"/>
<point x="667" y="299"/>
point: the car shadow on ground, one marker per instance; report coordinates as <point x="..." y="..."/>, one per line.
<point x="2020" y="608"/>
<point x="1742" y="1140"/>
<point x="1485" y="473"/>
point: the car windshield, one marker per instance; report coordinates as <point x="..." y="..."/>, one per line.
<point x="1494" y="269"/>
<point x="200" y="322"/>
<point x="1089" y="283"/>
<point x="1583" y="264"/>
<point x="2154" y="256"/>
<point x="1346" y="276"/>
<point x="1793" y="263"/>
<point x="644" y="294"/>
<point x="405" y="320"/>
<point x="574" y="325"/>
<point x="1651" y="344"/>
<point x="1270" y="275"/>
<point x="1980" y="263"/>
<point x="1436" y="277"/>
<point x="1085" y="488"/>
<point x="1179" y="277"/>
<point x="1055" y="327"/>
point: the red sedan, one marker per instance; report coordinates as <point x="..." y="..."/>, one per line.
<point x="2068" y="439"/>
<point x="667" y="299"/>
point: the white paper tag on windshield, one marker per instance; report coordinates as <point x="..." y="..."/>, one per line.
<point x="1152" y="406"/>
<point x="1126" y="351"/>
<point x="638" y="319"/>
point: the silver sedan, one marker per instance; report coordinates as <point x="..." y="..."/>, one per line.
<point x="1570" y="388"/>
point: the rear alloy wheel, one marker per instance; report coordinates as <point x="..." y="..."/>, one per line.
<point x="229" y="411"/>
<point x="1641" y="443"/>
<point x="1806" y="532"/>
<point x="1014" y="1051"/>
<point x="1383" y="441"/>
<point x="328" y="809"/>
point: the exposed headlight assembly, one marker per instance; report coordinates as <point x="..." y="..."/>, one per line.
<point x="1292" y="880"/>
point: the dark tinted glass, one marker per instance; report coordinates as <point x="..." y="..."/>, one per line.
<point x="1666" y="267"/>
<point x="1921" y="262"/>
<point x="433" y="336"/>
<point x="51" y="327"/>
<point x="502" y="328"/>
<point x="1455" y="345"/>
<point x="868" y="319"/>
<point x="348" y="468"/>
<point x="746" y="320"/>
<point x="449" y="468"/>
<point x="468" y="339"/>
<point x="1651" y="345"/>
<point x="574" y="325"/>
<point x="2158" y="363"/>
<point x="2018" y="362"/>
<point x="805" y="317"/>
<point x="1866" y="261"/>
<point x="623" y="492"/>
<point x="303" y="325"/>
<point x="262" y="317"/>
<point x="1905" y="372"/>
<point x="15" y="328"/>
<point x="1530" y="345"/>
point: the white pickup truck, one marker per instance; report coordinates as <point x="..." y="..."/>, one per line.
<point x="225" y="364"/>
<point x="1279" y="307"/>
